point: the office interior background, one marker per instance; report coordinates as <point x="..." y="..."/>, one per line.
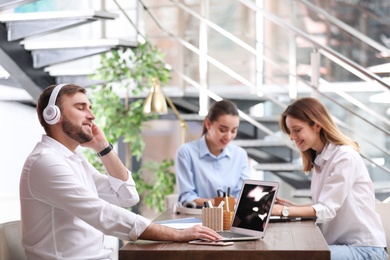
<point x="262" y="54"/>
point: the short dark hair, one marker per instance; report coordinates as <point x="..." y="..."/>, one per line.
<point x="43" y="99"/>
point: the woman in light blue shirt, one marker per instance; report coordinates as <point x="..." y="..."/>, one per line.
<point x="212" y="163"/>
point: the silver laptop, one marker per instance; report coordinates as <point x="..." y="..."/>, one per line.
<point x="253" y="211"/>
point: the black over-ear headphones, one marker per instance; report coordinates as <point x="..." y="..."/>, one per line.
<point x="52" y="113"/>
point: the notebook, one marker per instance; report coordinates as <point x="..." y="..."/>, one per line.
<point x="253" y="211"/>
<point x="276" y="219"/>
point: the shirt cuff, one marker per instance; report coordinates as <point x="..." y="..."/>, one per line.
<point x="117" y="183"/>
<point x="322" y="214"/>
<point x="140" y="224"/>
<point x="188" y="198"/>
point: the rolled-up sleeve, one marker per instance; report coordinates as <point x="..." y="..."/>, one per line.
<point x="140" y="224"/>
<point x="323" y="213"/>
<point x="126" y="191"/>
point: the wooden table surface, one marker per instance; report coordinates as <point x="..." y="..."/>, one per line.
<point x="291" y="240"/>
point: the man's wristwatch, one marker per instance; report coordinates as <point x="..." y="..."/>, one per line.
<point x="285" y="212"/>
<point x="105" y="151"/>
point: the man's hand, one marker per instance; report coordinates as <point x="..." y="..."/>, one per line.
<point x="99" y="141"/>
<point x="198" y="232"/>
<point x="163" y="233"/>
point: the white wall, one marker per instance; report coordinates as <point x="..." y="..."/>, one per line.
<point x="19" y="132"/>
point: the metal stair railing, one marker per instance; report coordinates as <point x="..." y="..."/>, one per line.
<point x="254" y="52"/>
<point x="226" y="70"/>
<point x="210" y="59"/>
<point x="347" y="127"/>
<point x="336" y="57"/>
<point x="360" y="105"/>
<point x="271" y="133"/>
<point x="227" y="34"/>
<point x="233" y="38"/>
<point x="347" y="28"/>
<point x="241" y="113"/>
<point x="27" y="62"/>
<point x="358" y="134"/>
<point x="350" y="65"/>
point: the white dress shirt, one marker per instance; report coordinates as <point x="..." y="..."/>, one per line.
<point x="67" y="205"/>
<point x="344" y="199"/>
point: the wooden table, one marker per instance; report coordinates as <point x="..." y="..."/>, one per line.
<point x="292" y="240"/>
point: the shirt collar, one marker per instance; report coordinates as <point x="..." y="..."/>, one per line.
<point x="204" y="150"/>
<point x="325" y="154"/>
<point x="59" y="147"/>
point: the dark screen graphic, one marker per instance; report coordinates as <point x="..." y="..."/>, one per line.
<point x="254" y="207"/>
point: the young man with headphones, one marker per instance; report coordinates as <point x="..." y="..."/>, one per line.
<point x="66" y="204"/>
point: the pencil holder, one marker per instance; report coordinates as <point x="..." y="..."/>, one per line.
<point x="227" y="219"/>
<point x="229" y="205"/>
<point x="213" y="218"/>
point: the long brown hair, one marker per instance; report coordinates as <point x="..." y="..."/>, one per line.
<point x="220" y="108"/>
<point x="312" y="111"/>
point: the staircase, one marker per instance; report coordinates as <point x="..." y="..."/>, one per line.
<point x="296" y="71"/>
<point x="35" y="59"/>
<point x="29" y="57"/>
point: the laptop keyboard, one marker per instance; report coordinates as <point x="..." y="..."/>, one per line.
<point x="228" y="234"/>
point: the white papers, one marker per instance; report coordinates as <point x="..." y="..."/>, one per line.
<point x="181" y="223"/>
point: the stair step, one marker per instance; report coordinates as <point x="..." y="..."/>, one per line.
<point x="8" y="4"/>
<point x="3" y="73"/>
<point x="22" y="25"/>
<point x="81" y="80"/>
<point x="301" y="193"/>
<point x="258" y="143"/>
<point x="54" y="52"/>
<point x="57" y="15"/>
<point x="51" y="45"/>
<point x="285" y="167"/>
<point x="193" y="117"/>
<point x="76" y="72"/>
<point x="243" y="100"/>
<point x="200" y="118"/>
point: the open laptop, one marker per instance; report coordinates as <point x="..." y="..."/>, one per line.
<point x="253" y="211"/>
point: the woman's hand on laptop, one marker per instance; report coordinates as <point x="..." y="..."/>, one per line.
<point x="277" y="210"/>
<point x="279" y="205"/>
<point x="284" y="202"/>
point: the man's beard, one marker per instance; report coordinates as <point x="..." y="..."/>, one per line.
<point x="75" y="132"/>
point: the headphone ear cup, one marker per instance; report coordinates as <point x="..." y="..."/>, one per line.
<point x="52" y="114"/>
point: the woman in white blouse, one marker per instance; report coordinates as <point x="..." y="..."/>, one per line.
<point x="341" y="189"/>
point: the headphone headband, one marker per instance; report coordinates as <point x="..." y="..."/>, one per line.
<point x="54" y="94"/>
<point x="52" y="113"/>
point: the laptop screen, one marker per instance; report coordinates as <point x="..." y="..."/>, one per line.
<point x="254" y="206"/>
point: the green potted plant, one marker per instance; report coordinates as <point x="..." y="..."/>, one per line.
<point x="131" y="71"/>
